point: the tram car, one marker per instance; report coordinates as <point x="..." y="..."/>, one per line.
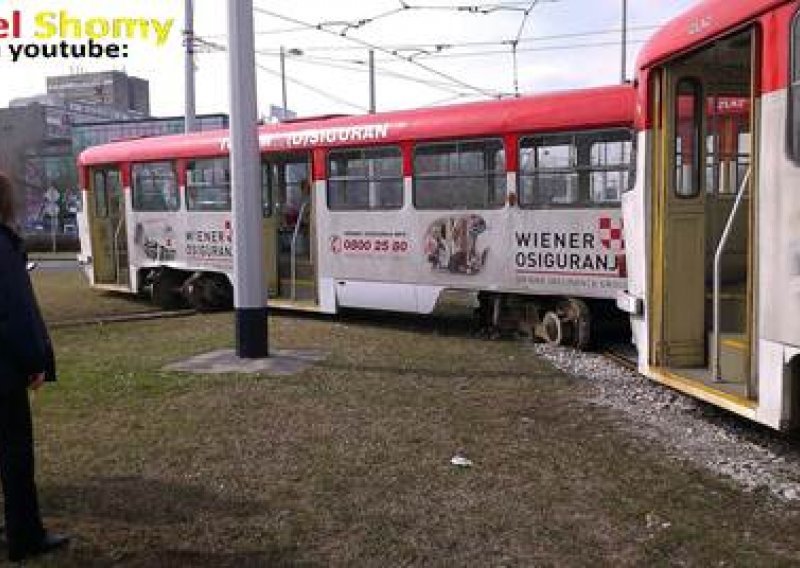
<point x="713" y="220"/>
<point x="516" y="200"/>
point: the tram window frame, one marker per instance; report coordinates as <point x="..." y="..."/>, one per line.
<point x="455" y="170"/>
<point x="581" y="167"/>
<point x="266" y="189"/>
<point x="220" y="186"/>
<point x="375" y="184"/>
<point x="100" y="195"/>
<point x="171" y="201"/>
<point x="697" y="166"/>
<point x="793" y="116"/>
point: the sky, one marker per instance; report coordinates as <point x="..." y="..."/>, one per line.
<point x="328" y="75"/>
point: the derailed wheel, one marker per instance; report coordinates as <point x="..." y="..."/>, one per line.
<point x="581" y="321"/>
<point x="166" y="289"/>
<point x="569" y="324"/>
<point x="557" y="329"/>
<point x="208" y="292"/>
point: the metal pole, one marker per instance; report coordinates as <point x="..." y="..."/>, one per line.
<point x="372" y="81"/>
<point x="190" y="124"/>
<point x="283" y="83"/>
<point x="624" y="68"/>
<point x="250" y="290"/>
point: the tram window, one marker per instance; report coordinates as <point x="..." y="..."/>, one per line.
<point x="687" y="138"/>
<point x="266" y="189"/>
<point x="155" y="187"/>
<point x="100" y="195"/>
<point x="581" y="169"/>
<point x="727" y="149"/>
<point x="208" y="185"/>
<point x="712" y="164"/>
<point x="611" y="166"/>
<point x="794" y="95"/>
<point x="460" y="175"/>
<point x="365" y="179"/>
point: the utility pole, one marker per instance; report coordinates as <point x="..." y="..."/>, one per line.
<point x="190" y="120"/>
<point x="283" y="82"/>
<point x="372" y="81"/>
<point x="249" y="282"/>
<point x="624" y="71"/>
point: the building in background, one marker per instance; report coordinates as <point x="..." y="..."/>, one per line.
<point x="95" y="133"/>
<point x="41" y="136"/>
<point x="113" y="89"/>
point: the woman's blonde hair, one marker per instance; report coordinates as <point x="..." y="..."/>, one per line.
<point x="7" y="209"/>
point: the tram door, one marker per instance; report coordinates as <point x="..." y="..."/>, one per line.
<point x="703" y="161"/>
<point x="108" y="228"/>
<point x="291" y="226"/>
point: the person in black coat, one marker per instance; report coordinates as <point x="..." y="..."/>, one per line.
<point x="26" y="362"/>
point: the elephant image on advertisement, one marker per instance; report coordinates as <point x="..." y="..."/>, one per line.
<point x="452" y="244"/>
<point x="155" y="248"/>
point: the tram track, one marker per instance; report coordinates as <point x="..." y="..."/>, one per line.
<point x="121" y="318"/>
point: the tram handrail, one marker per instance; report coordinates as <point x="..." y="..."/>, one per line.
<point x="293" y="258"/>
<point x="116" y="247"/>
<point x="723" y="241"/>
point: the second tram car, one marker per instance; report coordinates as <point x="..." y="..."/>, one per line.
<point x="517" y="200"/>
<point x="713" y="221"/>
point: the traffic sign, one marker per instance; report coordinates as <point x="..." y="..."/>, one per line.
<point x="52" y="195"/>
<point x="52" y="209"/>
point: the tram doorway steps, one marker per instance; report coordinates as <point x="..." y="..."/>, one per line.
<point x="733" y="358"/>
<point x="304" y="289"/>
<point x="304" y="268"/>
<point x="123" y="276"/>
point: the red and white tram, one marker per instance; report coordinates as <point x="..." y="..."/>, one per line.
<point x="518" y="200"/>
<point x="713" y="220"/>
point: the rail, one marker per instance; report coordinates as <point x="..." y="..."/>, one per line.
<point x="723" y="241"/>
<point x="293" y="258"/>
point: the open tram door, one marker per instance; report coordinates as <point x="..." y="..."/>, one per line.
<point x="109" y="234"/>
<point x="702" y="314"/>
<point x="289" y="228"/>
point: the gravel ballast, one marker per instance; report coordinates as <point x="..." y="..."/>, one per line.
<point x="728" y="445"/>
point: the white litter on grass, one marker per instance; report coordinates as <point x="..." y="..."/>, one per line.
<point x="461" y="461"/>
<point x="718" y="441"/>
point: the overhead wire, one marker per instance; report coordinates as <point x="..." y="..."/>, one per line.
<point x="454" y="80"/>
<point x="456" y="45"/>
<point x="220" y="48"/>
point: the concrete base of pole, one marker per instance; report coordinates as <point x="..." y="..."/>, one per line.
<point x="282" y="362"/>
<point x="251" y="333"/>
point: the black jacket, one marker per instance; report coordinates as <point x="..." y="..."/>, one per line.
<point x="25" y="347"/>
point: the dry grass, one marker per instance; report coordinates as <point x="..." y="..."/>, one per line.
<point x="65" y="296"/>
<point x="348" y="462"/>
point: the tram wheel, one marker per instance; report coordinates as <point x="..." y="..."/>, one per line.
<point x="166" y="289"/>
<point x="569" y="324"/>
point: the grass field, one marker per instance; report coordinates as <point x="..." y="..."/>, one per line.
<point x="347" y="463"/>
<point x="65" y="296"/>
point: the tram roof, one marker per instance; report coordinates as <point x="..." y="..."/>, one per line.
<point x="552" y="112"/>
<point x="706" y="20"/>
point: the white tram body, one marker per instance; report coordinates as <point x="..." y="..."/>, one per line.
<point x="515" y="199"/>
<point x="713" y="221"/>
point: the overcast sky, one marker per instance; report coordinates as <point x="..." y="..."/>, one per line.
<point x="580" y="55"/>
